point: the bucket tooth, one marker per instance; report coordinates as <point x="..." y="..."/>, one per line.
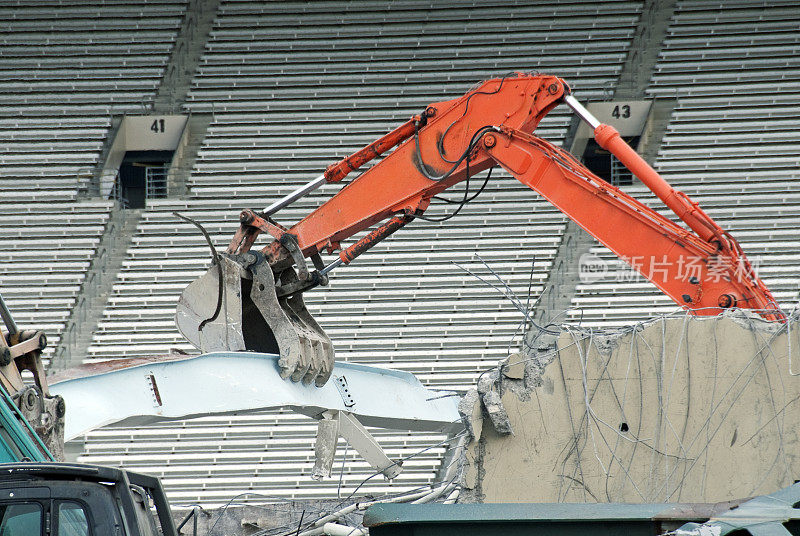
<point x="306" y="352"/>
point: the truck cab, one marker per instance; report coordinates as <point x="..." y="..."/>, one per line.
<point x="59" y="499"/>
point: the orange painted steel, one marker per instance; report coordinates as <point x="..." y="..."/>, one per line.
<point x="341" y="169"/>
<point x="702" y="269"/>
<point x="398" y="183"/>
<point x="608" y="138"/>
<point x="693" y="271"/>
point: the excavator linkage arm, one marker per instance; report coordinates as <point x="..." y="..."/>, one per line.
<point x="701" y="268"/>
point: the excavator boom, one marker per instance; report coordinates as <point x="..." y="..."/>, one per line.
<point x="700" y="266"/>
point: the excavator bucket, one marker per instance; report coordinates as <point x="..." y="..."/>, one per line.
<point x="233" y="307"/>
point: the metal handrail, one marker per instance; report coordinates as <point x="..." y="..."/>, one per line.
<point x="116" y="192"/>
<point x="155" y="182"/>
<point x="620" y="175"/>
<point x="155" y="185"/>
<point x="193" y="515"/>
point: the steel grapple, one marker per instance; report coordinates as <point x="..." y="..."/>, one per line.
<point x="244" y="303"/>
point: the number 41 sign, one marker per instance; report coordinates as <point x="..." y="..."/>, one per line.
<point x="157" y="126"/>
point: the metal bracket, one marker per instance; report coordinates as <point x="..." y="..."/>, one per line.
<point x="36" y="343"/>
<point x="347" y="396"/>
<point x="289" y="241"/>
<point x="336" y="423"/>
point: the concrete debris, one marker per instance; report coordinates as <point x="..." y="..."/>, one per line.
<point x="471" y="414"/>
<point x="606" y="344"/>
<point x="497" y="413"/>
<point x="539" y="352"/>
<point x="513" y="367"/>
<point x="273" y="518"/>
<point x="325" y="448"/>
<point x="335" y="529"/>
<point x="484" y="400"/>
<point x="488" y="386"/>
<point x="752" y="320"/>
<point x="488" y="381"/>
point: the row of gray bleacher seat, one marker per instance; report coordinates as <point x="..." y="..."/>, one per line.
<point x="210" y="457"/>
<point x="294" y="88"/>
<point x="45" y="251"/>
<point x="65" y="68"/>
<point x="731" y="144"/>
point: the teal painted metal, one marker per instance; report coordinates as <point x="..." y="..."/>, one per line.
<point x="562" y="519"/>
<point x="776" y="514"/>
<point x="15" y="444"/>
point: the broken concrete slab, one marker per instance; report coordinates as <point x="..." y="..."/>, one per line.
<point x="679" y="409"/>
<point x="469" y="407"/>
<point x="497" y="413"/>
<point x="513" y="367"/>
<point x="489" y="385"/>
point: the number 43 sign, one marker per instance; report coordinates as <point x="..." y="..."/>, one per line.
<point x="626" y="116"/>
<point x="620" y="111"/>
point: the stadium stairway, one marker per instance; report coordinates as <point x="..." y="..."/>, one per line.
<point x="186" y="53"/>
<point x="100" y="276"/>
<point x="65" y="69"/>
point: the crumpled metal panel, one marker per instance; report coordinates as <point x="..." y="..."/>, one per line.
<point x="762" y="516"/>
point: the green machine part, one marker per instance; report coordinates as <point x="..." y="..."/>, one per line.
<point x="776" y="514"/>
<point x="18" y="441"/>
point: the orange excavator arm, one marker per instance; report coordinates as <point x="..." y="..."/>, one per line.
<point x="704" y="274"/>
<point x="701" y="267"/>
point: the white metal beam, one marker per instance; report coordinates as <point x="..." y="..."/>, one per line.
<point x="229" y="382"/>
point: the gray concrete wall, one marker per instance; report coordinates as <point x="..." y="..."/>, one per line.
<point x="681" y="409"/>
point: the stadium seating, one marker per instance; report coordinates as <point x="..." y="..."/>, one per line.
<point x="65" y="68"/>
<point x="210" y="460"/>
<point x="297" y="88"/>
<point x="731" y="145"/>
<point x="45" y="250"/>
